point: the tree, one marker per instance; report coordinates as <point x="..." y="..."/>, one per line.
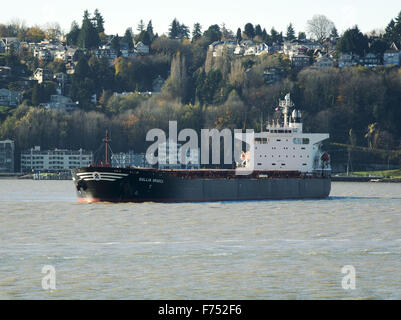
<point x="372" y="130"/>
<point x="144" y="37"/>
<point x="265" y="36"/>
<point x="274" y="35"/>
<point x="35" y="34"/>
<point x="334" y="33"/>
<point x="290" y="32"/>
<point x="99" y="21"/>
<point x="353" y="41"/>
<point x="213" y="33"/>
<point x="239" y="35"/>
<point x="128" y="37"/>
<point x="72" y="36"/>
<point x="196" y="32"/>
<point x="115" y="44"/>
<point x="183" y="31"/>
<point x="174" y="29"/>
<point x="393" y="30"/>
<point x="249" y="30"/>
<point x="53" y="30"/>
<point x="301" y="35"/>
<point x="149" y="29"/>
<point x="378" y="46"/>
<point x="141" y="26"/>
<point x="227" y="34"/>
<point x="258" y="31"/>
<point x="319" y="27"/>
<point x="88" y="36"/>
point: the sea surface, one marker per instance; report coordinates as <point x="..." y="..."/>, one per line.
<point x="226" y="250"/>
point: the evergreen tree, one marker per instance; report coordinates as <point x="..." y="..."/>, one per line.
<point x="144" y="37"/>
<point x="280" y="38"/>
<point x="239" y="35"/>
<point x="196" y="32"/>
<point x="141" y="26"/>
<point x="115" y="44"/>
<point x="128" y="37"/>
<point x="334" y="33"/>
<point x="301" y="35"/>
<point x="72" y="36"/>
<point x="82" y="69"/>
<point x="183" y="31"/>
<point x="99" y="21"/>
<point x="258" y="31"/>
<point x="393" y="30"/>
<point x="390" y="34"/>
<point x="290" y="32"/>
<point x="174" y="29"/>
<point x="274" y="35"/>
<point x="149" y="29"/>
<point x="249" y="30"/>
<point x="265" y="36"/>
<point x="353" y="41"/>
<point x="213" y="33"/>
<point x="88" y="36"/>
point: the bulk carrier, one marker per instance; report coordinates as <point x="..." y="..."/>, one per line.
<point x="286" y="164"/>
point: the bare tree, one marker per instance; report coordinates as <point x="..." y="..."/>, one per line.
<point x="319" y="27"/>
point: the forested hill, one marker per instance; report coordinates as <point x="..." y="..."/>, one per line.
<point x="204" y="86"/>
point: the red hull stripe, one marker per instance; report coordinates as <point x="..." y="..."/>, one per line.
<point x="93" y="200"/>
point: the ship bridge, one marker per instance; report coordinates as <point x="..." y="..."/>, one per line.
<point x="285" y="147"/>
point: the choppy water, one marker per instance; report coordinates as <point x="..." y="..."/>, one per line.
<point x="245" y="250"/>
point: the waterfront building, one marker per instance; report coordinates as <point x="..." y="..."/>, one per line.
<point x="35" y="159"/>
<point x="7" y="156"/>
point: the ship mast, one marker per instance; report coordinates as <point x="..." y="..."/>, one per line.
<point x="106" y="144"/>
<point x="286" y="104"/>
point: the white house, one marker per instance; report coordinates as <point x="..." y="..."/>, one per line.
<point x="60" y="103"/>
<point x="141" y="48"/>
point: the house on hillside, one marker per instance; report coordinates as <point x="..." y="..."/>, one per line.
<point x="323" y="62"/>
<point x="9" y="98"/>
<point x="392" y="56"/>
<point x="5" y="72"/>
<point x="10" y="43"/>
<point x="348" y="60"/>
<point x="300" y="61"/>
<point x="273" y="75"/>
<point x="218" y="47"/>
<point x="141" y="48"/>
<point x="370" y="60"/>
<point x="42" y="75"/>
<point x="60" y="103"/>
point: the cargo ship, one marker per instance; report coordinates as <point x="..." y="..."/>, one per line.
<point x="286" y="163"/>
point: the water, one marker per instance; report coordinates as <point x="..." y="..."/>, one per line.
<point x="243" y="250"/>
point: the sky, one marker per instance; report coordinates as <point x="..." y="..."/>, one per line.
<point x="119" y="15"/>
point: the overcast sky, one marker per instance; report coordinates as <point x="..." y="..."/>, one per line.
<point x="119" y="14"/>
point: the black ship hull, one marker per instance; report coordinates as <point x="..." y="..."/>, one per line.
<point x="106" y="184"/>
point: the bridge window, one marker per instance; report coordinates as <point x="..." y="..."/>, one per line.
<point x="301" y="141"/>
<point x="261" y="141"/>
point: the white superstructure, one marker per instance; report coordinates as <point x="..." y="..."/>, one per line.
<point x="284" y="147"/>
